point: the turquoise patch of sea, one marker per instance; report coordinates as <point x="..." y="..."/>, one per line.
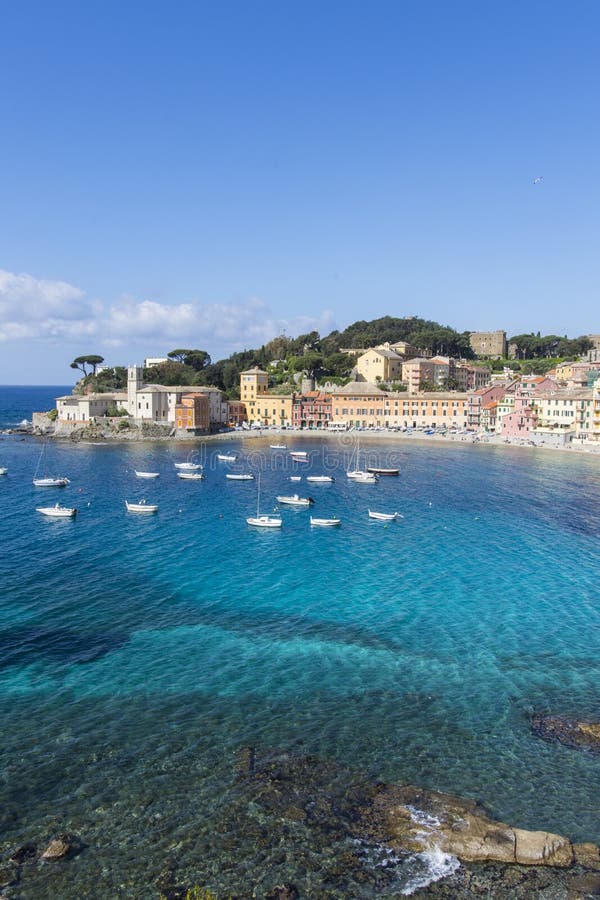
<point x="415" y="650"/>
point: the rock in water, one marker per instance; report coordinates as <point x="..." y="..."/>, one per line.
<point x="418" y="820"/>
<point x="570" y="732"/>
<point x="62" y="846"/>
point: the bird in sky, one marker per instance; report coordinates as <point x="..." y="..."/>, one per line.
<point x="538" y="179"/>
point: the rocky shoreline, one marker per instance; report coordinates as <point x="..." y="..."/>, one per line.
<point x="294" y="826"/>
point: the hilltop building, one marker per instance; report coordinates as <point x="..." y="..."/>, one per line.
<point x="491" y="344"/>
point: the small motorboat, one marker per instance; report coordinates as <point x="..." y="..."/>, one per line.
<point x="246" y="476"/>
<point x="51" y="482"/>
<point x="146" y="474"/>
<point x="188" y="466"/>
<point x="295" y="500"/>
<point x="384" y="517"/>
<point x="191" y="476"/>
<point x="376" y="470"/>
<point x="277" y="446"/>
<point x="3" y="470"/>
<point x="295" y="477"/>
<point x="320" y="479"/>
<point x="57" y="511"/>
<point x="300" y="455"/>
<point x="326" y="523"/>
<point x="264" y="521"/>
<point x="227" y="457"/>
<point x="141" y="507"/>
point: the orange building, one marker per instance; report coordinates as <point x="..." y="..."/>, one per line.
<point x="193" y="412"/>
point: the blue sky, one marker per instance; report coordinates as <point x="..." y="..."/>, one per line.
<point x="212" y="174"/>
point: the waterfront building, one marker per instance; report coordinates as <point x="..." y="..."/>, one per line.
<point x="491" y="344"/>
<point x="417" y="371"/>
<point x="595" y="412"/>
<point x="262" y="407"/>
<point x="488" y="415"/>
<point x="364" y="405"/>
<point x="484" y="397"/>
<point x="236" y="412"/>
<point x="471" y="378"/>
<point x="81" y="409"/>
<point x="311" y="409"/>
<point x="567" y="411"/>
<point x="192" y="413"/>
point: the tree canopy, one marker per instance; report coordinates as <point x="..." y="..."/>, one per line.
<point x="80" y="362"/>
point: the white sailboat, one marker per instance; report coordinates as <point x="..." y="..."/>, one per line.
<point x="48" y="480"/>
<point x="361" y="476"/>
<point x="261" y="520"/>
<point x="146" y="474"/>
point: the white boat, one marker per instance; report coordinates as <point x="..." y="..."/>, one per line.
<point x="377" y="470"/>
<point x="277" y="446"/>
<point x="295" y="500"/>
<point x="295" y="477"/>
<point x="146" y="474"/>
<point x="3" y="470"/>
<point x="191" y="476"/>
<point x="188" y="466"/>
<point x="46" y="480"/>
<point x="299" y="454"/>
<point x="227" y="457"/>
<point x="326" y="523"/>
<point x="51" y="482"/>
<point x="246" y="476"/>
<point x="384" y="517"/>
<point x="261" y="520"/>
<point x="57" y="511"/>
<point x="361" y="477"/>
<point x="141" y="507"/>
<point x="320" y="479"/>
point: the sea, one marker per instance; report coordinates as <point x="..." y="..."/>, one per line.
<point x="140" y="653"/>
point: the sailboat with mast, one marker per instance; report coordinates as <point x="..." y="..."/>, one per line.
<point x="48" y="480"/>
<point x="362" y="476"/>
<point x="261" y="520"/>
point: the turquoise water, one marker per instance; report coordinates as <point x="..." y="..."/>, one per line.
<point x="138" y="654"/>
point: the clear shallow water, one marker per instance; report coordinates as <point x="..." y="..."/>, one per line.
<point x="138" y="654"/>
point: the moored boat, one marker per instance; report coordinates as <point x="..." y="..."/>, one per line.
<point x="57" y="511"/>
<point x="277" y="446"/>
<point x="262" y="520"/>
<point x="295" y="500"/>
<point x="384" y="517"/>
<point x="227" y="457"/>
<point x="146" y="474"/>
<point x="376" y="470"/>
<point x="244" y="476"/>
<point x="191" y="476"/>
<point x="320" y="479"/>
<point x="188" y="466"/>
<point x="300" y="455"/>
<point x="326" y="523"/>
<point x="51" y="482"/>
<point x="3" y="470"/>
<point x="141" y="507"/>
<point x="361" y="477"/>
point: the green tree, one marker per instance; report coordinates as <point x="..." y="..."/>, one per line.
<point x="80" y="362"/>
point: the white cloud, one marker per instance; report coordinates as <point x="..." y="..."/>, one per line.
<point x="42" y="310"/>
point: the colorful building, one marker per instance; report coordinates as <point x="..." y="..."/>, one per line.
<point x="192" y="413"/>
<point x="379" y="364"/>
<point x="311" y="409"/>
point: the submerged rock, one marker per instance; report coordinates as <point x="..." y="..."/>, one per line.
<point x="570" y="732"/>
<point x="24" y="853"/>
<point x="62" y="846"/>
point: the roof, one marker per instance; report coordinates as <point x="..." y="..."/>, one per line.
<point x="176" y="389"/>
<point x="254" y="371"/>
<point x="359" y="387"/>
<point x="388" y="354"/>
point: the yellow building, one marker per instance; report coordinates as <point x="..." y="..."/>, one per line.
<point x="263" y="408"/>
<point x="379" y="364"/>
<point x="193" y="412"/>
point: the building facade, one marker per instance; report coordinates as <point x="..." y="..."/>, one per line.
<point x="311" y="409"/>
<point x="379" y="364"/>
<point x="491" y="344"/>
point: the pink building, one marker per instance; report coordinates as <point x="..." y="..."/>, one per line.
<point x="481" y="398"/>
<point x="311" y="409"/>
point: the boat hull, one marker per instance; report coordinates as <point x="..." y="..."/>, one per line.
<point x="147" y="474"/>
<point x="50" y="482"/>
<point x="57" y="512"/>
<point x="383" y="517"/>
<point x="374" y="470"/>
<point x="325" y="523"/>
<point x="144" y="508"/>
<point x="264" y="521"/>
